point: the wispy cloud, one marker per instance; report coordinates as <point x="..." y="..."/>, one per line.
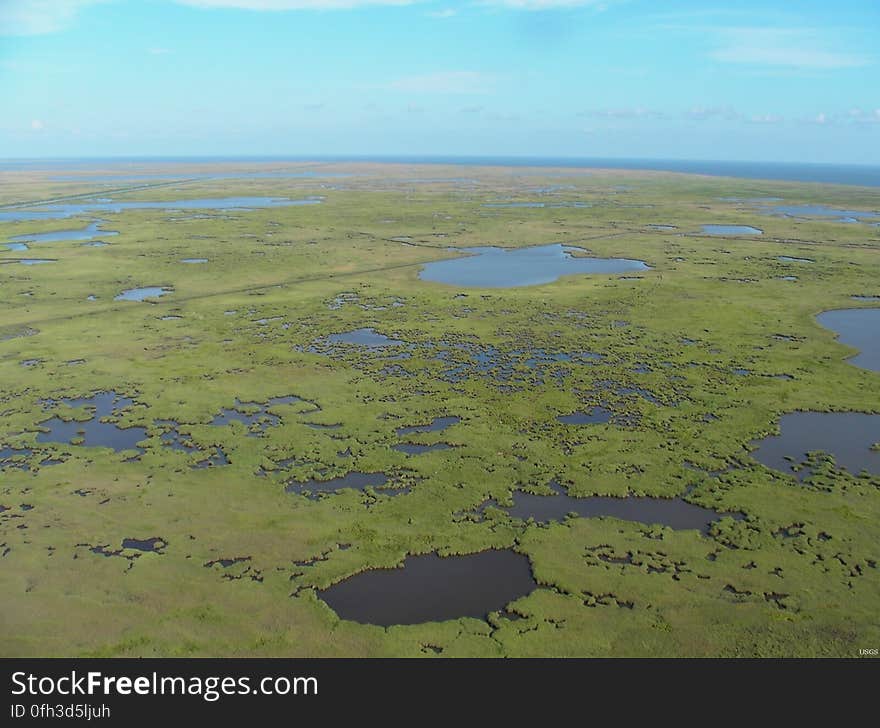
<point x="37" y="125"/>
<point x="38" y="17"/>
<point x="445" y="82"/>
<point x="860" y="116"/>
<point x="550" y="4"/>
<point x="710" y="113"/>
<point x="442" y="14"/>
<point x="766" y="119"/>
<point x="291" y="4"/>
<point x="800" y="48"/>
<point x="637" y="112"/>
<point x="158" y="51"/>
<point x="820" y="119"/>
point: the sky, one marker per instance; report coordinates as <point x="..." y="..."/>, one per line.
<point x="765" y="80"/>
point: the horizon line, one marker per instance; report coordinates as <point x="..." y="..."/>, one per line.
<point x="427" y="158"/>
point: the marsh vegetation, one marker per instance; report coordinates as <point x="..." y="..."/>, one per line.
<point x="361" y="409"/>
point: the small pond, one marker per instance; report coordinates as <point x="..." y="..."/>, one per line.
<point x="732" y="230"/>
<point x="141" y="294"/>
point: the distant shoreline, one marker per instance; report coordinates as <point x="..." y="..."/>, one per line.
<point x="846" y="174"/>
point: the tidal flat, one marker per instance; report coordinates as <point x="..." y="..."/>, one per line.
<point x="260" y="423"/>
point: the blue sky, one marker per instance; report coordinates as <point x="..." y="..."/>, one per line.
<point x="698" y="79"/>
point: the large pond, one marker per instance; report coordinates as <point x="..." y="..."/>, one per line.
<point x="822" y="211"/>
<point x="57" y="211"/>
<point x="676" y="513"/>
<point x="432" y="588"/>
<point x="491" y="267"/>
<point x="859" y="328"/>
<point x="92" y="231"/>
<point x="354" y="481"/>
<point x="98" y="430"/>
<point x="849" y="437"/>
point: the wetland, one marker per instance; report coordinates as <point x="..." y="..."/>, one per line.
<point x="416" y="410"/>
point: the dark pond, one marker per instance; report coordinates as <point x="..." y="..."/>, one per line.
<point x="148" y="544"/>
<point x="141" y="294"/>
<point x="596" y="416"/>
<point x="438" y="424"/>
<point x="665" y="228"/>
<point x="95" y="432"/>
<point x="491" y="267"/>
<point x="847" y="436"/>
<point x="676" y="513"/>
<point x="432" y="588"/>
<point x="859" y="328"/>
<point x="363" y="337"/>
<point x="731" y="230"/>
<point x="354" y="480"/>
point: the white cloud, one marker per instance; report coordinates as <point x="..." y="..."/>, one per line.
<point x="37" y="17"/>
<point x="445" y="82"/>
<point x="37" y="125"/>
<point x="445" y="13"/>
<point x="291" y="4"/>
<point x="158" y="51"/>
<point x="801" y="48"/>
